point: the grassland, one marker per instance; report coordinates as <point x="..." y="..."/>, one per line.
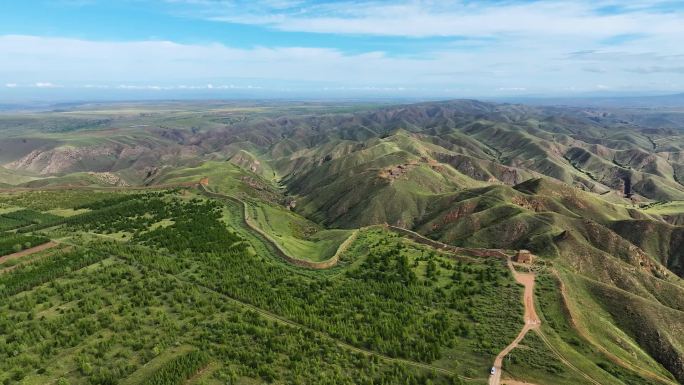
<point x="576" y="334"/>
<point x="533" y="362"/>
<point x="299" y="237"/>
<point x="571" y="356"/>
<point x="671" y="211"/>
<point x="225" y="178"/>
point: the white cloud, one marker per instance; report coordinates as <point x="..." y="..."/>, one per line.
<point x="489" y="47"/>
<point x="157" y="62"/>
<point x="139" y="87"/>
<point x="547" y="45"/>
<point x="512" y="89"/>
<point x="45" y="85"/>
<point x="454" y="18"/>
<point x="541" y="65"/>
<point x="155" y="87"/>
<point x="97" y="86"/>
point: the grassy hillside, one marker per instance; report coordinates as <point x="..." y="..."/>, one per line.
<point x="298" y="236"/>
<point x="548" y="179"/>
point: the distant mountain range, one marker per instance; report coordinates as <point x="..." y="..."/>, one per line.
<point x="649" y="101"/>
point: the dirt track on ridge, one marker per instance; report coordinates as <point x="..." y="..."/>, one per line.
<point x="532" y="322"/>
<point x="530" y="317"/>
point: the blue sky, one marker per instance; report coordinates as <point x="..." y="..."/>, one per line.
<point x="290" y="48"/>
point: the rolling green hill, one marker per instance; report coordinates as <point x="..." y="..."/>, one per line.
<point x="594" y="193"/>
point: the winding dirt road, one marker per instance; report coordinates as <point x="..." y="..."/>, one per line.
<point x="530" y="316"/>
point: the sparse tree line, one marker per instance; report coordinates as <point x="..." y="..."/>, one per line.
<point x="66" y="199"/>
<point x="46" y="270"/>
<point x="24" y="217"/>
<point x="12" y="243"/>
<point x="179" y="369"/>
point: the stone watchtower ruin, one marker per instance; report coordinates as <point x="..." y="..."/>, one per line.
<point x="523" y="256"/>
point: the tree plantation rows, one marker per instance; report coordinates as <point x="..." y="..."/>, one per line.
<point x="196" y="228"/>
<point x="24" y="217"/>
<point x="381" y="306"/>
<point x="179" y="369"/>
<point x="175" y="278"/>
<point x="110" y="201"/>
<point x="192" y="225"/>
<point x="45" y="270"/>
<point x="64" y="199"/>
<point x="107" y="321"/>
<point x="122" y="215"/>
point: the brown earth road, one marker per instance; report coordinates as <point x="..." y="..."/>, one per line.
<point x="28" y="251"/>
<point x="530" y="318"/>
<point x="33" y="260"/>
<point x="532" y="322"/>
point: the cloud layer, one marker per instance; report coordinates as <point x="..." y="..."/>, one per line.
<point x="469" y="49"/>
<point x="580" y="18"/>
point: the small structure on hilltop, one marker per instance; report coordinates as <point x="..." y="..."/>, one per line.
<point x="524" y="256"/>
